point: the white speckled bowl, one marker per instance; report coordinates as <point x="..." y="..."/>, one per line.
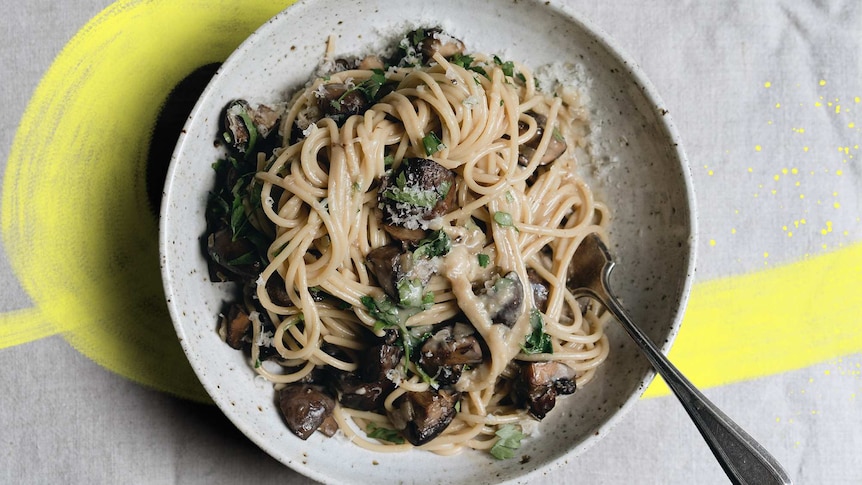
<point x="644" y="178"/>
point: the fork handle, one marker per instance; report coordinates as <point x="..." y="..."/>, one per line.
<point x="742" y="458"/>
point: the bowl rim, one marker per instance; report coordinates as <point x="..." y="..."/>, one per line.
<point x="650" y="93"/>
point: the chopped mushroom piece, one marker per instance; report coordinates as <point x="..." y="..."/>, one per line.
<point x="237" y="326"/>
<point x="305" y="408"/>
<point x="354" y="393"/>
<point x="556" y="146"/>
<point x="371" y="62"/>
<point x="444" y="355"/>
<point x="386" y="264"/>
<point x="539" y="383"/>
<point x="228" y="254"/>
<point x="421" y="416"/>
<point x="540" y="288"/>
<point x="338" y="101"/>
<point x="367" y="390"/>
<point x="414" y="194"/>
<point x="379" y="360"/>
<point x="504" y="299"/>
<point x="398" y="271"/>
<point x="243" y="123"/>
<point x="436" y="41"/>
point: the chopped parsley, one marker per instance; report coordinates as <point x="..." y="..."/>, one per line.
<point x="484" y="260"/>
<point x="410" y="293"/>
<point x="537" y="342"/>
<point x="508" y="67"/>
<point x="504" y="219"/>
<point x="436" y="244"/>
<point x="432" y="143"/>
<point x="509" y="440"/>
<point x="384" y="434"/>
<point x="371" y="86"/>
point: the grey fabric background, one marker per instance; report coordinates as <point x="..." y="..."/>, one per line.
<point x="64" y="419"/>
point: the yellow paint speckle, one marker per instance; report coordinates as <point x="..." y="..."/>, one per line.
<point x="784" y="171"/>
<point x="805" y="149"/>
<point x="757" y="148"/>
<point x="823" y="82"/>
<point x="750" y="170"/>
<point x="799" y="130"/>
<point x="776" y="177"/>
<point x="837" y="108"/>
<point x="709" y="172"/>
<point x="790" y="234"/>
<point x="794" y="171"/>
<point x="836" y="205"/>
<point x="857" y="99"/>
<point x="777" y="105"/>
<point x="801" y="196"/>
<point x="839" y="172"/>
<point x="827" y="372"/>
<point x="818" y="104"/>
<point x="767" y="84"/>
<point x="783" y="228"/>
<point x="798" y="183"/>
<point x="765" y="255"/>
<point x="733" y="231"/>
<point x="712" y="242"/>
<point x="851" y="125"/>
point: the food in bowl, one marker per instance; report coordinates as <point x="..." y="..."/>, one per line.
<point x="401" y="230"/>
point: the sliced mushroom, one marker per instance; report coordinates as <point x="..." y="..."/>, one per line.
<point x="237" y="326"/>
<point x="276" y="290"/>
<point x="436" y="41"/>
<point x="243" y="124"/>
<point x="305" y="408"/>
<point x="414" y="194"/>
<point x="239" y="125"/>
<point x="379" y="360"/>
<point x="539" y="383"/>
<point x="229" y="256"/>
<point x="371" y="62"/>
<point x="445" y="354"/>
<point x="504" y="299"/>
<point x="385" y="264"/>
<point x="540" y="288"/>
<point x="422" y="416"/>
<point x="556" y="146"/>
<point x="338" y="101"/>
<point x="266" y="118"/>
<point x="366" y="389"/>
<point x="398" y="272"/>
<point x="355" y="393"/>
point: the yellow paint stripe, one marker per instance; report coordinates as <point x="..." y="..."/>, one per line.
<point x="772" y="321"/>
<point x="23" y="326"/>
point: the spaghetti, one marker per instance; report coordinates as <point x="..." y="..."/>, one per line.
<point x="405" y="248"/>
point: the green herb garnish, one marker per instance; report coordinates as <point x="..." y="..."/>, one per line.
<point x="384" y="434"/>
<point x="508" y="67"/>
<point x="484" y="260"/>
<point x="509" y="440"/>
<point x="436" y="244"/>
<point x="432" y="143"/>
<point x="537" y="342"/>
<point x="504" y="219"/>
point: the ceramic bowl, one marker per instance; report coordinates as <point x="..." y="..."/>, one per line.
<point x="638" y="167"/>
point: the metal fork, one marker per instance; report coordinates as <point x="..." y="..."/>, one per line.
<point x="743" y="459"/>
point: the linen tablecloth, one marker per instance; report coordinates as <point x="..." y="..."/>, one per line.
<point x="767" y="97"/>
